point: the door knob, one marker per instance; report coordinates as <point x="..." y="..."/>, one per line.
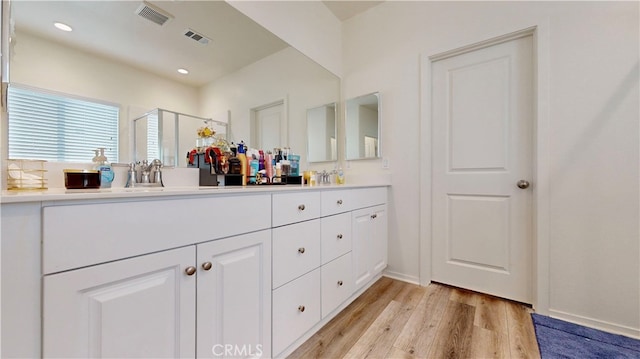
<point x="523" y="184"/>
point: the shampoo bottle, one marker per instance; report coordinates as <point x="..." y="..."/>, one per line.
<point x="101" y="164"/>
<point x="243" y="163"/>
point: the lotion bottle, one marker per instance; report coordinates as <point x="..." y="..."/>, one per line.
<point x="101" y="164"/>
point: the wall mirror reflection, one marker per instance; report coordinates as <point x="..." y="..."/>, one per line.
<point x="169" y="136"/>
<point x="362" y="127"/>
<point x="234" y="65"/>
<point x="322" y="133"/>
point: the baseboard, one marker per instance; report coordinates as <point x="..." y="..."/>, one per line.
<point x="403" y="277"/>
<point x="596" y="324"/>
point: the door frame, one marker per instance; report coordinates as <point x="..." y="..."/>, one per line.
<point x="540" y="198"/>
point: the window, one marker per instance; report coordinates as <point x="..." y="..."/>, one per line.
<point x="57" y="127"/>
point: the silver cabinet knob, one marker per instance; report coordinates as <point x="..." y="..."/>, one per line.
<point x="301" y="250"/>
<point x="301" y="308"/>
<point x="339" y="201"/>
<point x="191" y="270"/>
<point x="207" y="265"/>
<point x="340" y="283"/>
<point x="301" y="207"/>
<point x="523" y="184"/>
<point x="339" y="236"/>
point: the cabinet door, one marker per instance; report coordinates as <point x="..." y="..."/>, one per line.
<point x="369" y="243"/>
<point x="234" y="297"/>
<point x="138" y="307"/>
<point x="379" y="231"/>
<point x="362" y="244"/>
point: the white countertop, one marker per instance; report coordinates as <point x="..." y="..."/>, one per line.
<point x="62" y="194"/>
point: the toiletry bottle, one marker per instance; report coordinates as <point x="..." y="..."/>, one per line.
<point x="254" y="171"/>
<point x="278" y="177"/>
<point x="243" y="163"/>
<point x="340" y="176"/>
<point x="268" y="166"/>
<point x="261" y="161"/>
<point x="101" y="164"/>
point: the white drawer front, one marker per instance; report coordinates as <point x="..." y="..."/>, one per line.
<point x="296" y="309"/>
<point x="295" y="207"/>
<point x="336" y="201"/>
<point x="335" y="236"/>
<point x="81" y="235"/>
<point x="367" y="197"/>
<point x="296" y="251"/>
<point x="337" y="283"/>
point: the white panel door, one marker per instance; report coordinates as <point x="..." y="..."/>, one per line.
<point x="482" y="113"/>
<point x="270" y="127"/>
<point x="142" y="307"/>
<point x="234" y="297"/>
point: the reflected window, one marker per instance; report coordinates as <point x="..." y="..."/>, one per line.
<point x="59" y="127"/>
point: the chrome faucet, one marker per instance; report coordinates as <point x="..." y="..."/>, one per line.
<point x="145" y="174"/>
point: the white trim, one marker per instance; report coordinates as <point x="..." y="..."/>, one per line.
<point x="540" y="243"/>
<point x="595" y="323"/>
<point x="541" y="273"/>
<point x="401" y="277"/>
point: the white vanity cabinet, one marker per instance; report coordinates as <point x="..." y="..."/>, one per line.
<point x="138" y="307"/>
<point x="98" y="305"/>
<point x="369" y="243"/>
<point x="185" y="275"/>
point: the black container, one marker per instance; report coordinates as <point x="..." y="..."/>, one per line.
<point x="81" y="179"/>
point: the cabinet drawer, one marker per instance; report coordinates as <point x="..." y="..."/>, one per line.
<point x="335" y="236"/>
<point x="81" y="235"/>
<point x="337" y="283"/>
<point x="367" y="197"/>
<point x="296" y="309"/>
<point x="295" y="207"/>
<point x="336" y="201"/>
<point x="296" y="251"/>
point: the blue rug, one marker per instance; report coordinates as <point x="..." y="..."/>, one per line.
<point x="560" y="339"/>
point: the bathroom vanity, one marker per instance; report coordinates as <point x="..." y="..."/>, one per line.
<point x="184" y="272"/>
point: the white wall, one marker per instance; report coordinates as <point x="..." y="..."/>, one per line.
<point x="44" y="64"/>
<point x="308" y="26"/>
<point x="592" y="137"/>
<point x="286" y="74"/>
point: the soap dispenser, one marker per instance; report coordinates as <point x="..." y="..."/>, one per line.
<point x="101" y="164"/>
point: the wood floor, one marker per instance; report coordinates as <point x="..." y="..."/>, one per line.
<point x="394" y="319"/>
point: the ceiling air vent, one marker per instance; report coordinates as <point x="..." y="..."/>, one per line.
<point x="153" y="14"/>
<point x="196" y="36"/>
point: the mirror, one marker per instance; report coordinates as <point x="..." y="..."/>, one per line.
<point x="321" y="133"/>
<point x="169" y="136"/>
<point x="115" y="55"/>
<point x="362" y="127"/>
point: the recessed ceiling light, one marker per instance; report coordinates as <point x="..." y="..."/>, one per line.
<point x="63" y="27"/>
<point x="183" y="71"/>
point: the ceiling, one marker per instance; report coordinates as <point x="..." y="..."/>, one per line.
<point x="344" y="10"/>
<point x="112" y="29"/>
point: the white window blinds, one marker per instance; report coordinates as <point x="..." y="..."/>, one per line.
<point x="55" y="127"/>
